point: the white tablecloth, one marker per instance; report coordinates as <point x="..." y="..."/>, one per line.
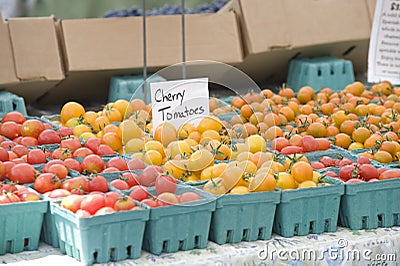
<point x="344" y="247"/>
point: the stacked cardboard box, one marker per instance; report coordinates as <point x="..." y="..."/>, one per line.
<point x="50" y="61"/>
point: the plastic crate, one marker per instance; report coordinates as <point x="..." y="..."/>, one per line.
<point x="247" y="217"/>
<point x="126" y="87"/>
<point x="370" y="205"/>
<point x="10" y="102"/>
<point x="100" y="239"/>
<point x="179" y="227"/>
<point x="309" y="210"/>
<point x="20" y="225"/>
<point x="320" y="72"/>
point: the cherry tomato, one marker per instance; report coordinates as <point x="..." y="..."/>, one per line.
<point x="93" y="164"/>
<point x="119" y="184"/>
<point x="292" y="150"/>
<point x="309" y="144"/>
<point x="49" y="136"/>
<point x="347" y="172"/>
<point x="139" y="193"/>
<point x="32" y="128"/>
<point x="165" y="183"/>
<point x="93" y="202"/>
<point x="149" y="175"/>
<point x="46" y="182"/>
<point x="36" y="156"/>
<point x="14" y="116"/>
<point x="125" y="203"/>
<point x="98" y="183"/>
<point x="327" y="161"/>
<point x="389" y="174"/>
<point x="82" y="152"/>
<point x="10" y="129"/>
<point x="367" y="172"/>
<point x="22" y="173"/>
<point x="118" y="162"/>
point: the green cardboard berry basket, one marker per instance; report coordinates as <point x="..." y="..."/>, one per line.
<point x="179" y="227"/>
<point x="49" y="231"/>
<point x="393" y="165"/>
<point x="45" y="147"/>
<point x="309" y="210"/>
<point x="334" y="152"/>
<point x="100" y="239"/>
<point x="246" y="217"/>
<point x="20" y="225"/>
<point x="371" y="205"/>
<point x="10" y="102"/>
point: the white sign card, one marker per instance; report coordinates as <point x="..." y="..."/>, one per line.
<point x="384" y="46"/>
<point x="180" y="101"/>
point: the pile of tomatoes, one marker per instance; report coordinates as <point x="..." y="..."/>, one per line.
<point x="237" y="156"/>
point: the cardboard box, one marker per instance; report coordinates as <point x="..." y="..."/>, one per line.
<point x="117" y="43"/>
<point x="35" y="55"/>
<point x="96" y="49"/>
<point x="7" y="67"/>
<point x="214" y="37"/>
<point x="276" y="31"/>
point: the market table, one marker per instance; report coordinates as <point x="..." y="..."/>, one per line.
<point x="345" y="247"/>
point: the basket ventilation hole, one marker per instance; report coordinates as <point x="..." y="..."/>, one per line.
<point x="364" y="222"/>
<point x="165" y="244"/>
<point x="14" y="105"/>
<point x="296" y="229"/>
<point x="380" y="219"/>
<point x="112" y="252"/>
<point x="396" y="219"/>
<point x="260" y="232"/>
<point x="319" y="72"/>
<point x="196" y="241"/>
<point x="327" y="222"/>
<point x="332" y="71"/>
<point x="95" y="256"/>
<point x="312" y="223"/>
<point x="181" y="242"/>
<point x="26" y="242"/>
<point x="229" y="236"/>
<point x="245" y="234"/>
<point x="128" y="251"/>
<point x="9" y="244"/>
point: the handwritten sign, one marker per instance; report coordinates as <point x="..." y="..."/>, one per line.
<point x="384" y="47"/>
<point x="179" y="101"/>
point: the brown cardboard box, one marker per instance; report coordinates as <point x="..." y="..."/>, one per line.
<point x="371" y="8"/>
<point x="213" y="37"/>
<point x="276" y="31"/>
<point x="102" y="44"/>
<point x="96" y="49"/>
<point x="117" y="43"/>
<point x="7" y="67"/>
<point x="36" y="57"/>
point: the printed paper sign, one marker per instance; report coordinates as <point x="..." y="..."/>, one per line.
<point x="384" y="46"/>
<point x="179" y="101"/>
